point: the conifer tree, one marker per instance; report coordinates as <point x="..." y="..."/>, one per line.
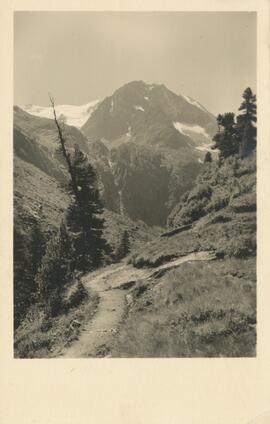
<point x="83" y="216"/>
<point x="246" y="129"/>
<point x="225" y="139"/>
<point x="124" y="246"/>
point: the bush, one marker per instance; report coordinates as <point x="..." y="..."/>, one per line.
<point x="192" y="211"/>
<point x="200" y="192"/>
<point x="219" y="201"/>
<point x="76" y="297"/>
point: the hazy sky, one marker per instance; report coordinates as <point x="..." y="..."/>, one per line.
<point x="84" y="56"/>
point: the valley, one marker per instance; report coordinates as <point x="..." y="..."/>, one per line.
<point x="186" y="286"/>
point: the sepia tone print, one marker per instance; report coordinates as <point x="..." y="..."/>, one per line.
<point x="134" y="184"/>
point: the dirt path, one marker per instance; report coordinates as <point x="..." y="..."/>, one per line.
<point x="96" y="337"/>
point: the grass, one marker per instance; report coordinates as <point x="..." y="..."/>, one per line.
<point x="197" y="310"/>
<point x="163" y="249"/>
<point x="229" y="234"/>
<point x="41" y="337"/>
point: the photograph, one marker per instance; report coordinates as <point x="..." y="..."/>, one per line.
<point x="134" y="184"/>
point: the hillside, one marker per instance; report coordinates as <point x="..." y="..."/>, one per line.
<point x="200" y="309"/>
<point x="218" y="214"/>
<point x="40" y="197"/>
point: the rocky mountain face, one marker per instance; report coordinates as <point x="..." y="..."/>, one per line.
<point x="156" y="141"/>
<point x="150" y="115"/>
<point x="146" y="143"/>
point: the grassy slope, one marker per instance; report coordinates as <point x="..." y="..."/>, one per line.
<point x="197" y="310"/>
<point x="221" y="211"/>
<point x="201" y="309"/>
<point x="32" y="189"/>
<point x="41" y="337"/>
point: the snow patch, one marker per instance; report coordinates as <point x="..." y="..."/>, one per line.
<point x="193" y="102"/>
<point x="146" y="97"/>
<point x="139" y="108"/>
<point x="70" y="114"/>
<point x="188" y="129"/>
<point x="200" y="161"/>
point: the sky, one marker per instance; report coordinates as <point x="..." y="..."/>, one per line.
<point x="82" y="56"/>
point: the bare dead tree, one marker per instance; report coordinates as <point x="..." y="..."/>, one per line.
<point x="66" y="154"/>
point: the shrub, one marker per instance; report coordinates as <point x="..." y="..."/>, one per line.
<point x="200" y="192"/>
<point x="77" y="296"/>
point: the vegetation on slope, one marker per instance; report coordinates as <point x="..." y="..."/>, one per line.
<point x="40" y="336"/>
<point x="200" y="309"/>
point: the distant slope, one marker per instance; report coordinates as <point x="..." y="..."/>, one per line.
<point x="44" y="132"/>
<point x="30" y="151"/>
<point x="73" y="115"/>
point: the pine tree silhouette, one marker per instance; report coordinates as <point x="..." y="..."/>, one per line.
<point x="225" y="139"/>
<point x="246" y="129"/>
<point x="84" y="219"/>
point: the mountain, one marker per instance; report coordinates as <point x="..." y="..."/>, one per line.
<point x="146" y="142"/>
<point x="73" y="115"/>
<point x="156" y="141"/>
<point x="152" y="115"/>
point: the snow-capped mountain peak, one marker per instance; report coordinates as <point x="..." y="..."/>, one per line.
<point x="71" y="114"/>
